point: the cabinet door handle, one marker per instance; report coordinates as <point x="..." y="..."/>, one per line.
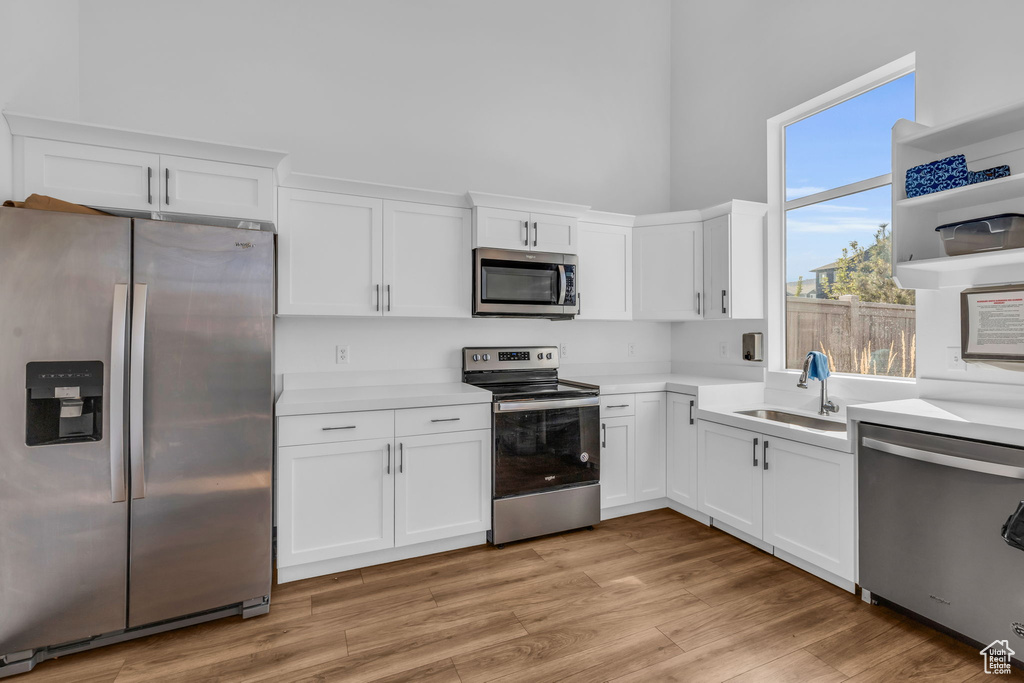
<point x="377" y="287"/>
<point x="401" y="459"/>
<point x="764" y="454"/>
<point x="167" y="186"/>
<point x="691" y="412"/>
<point x="447" y="419"/>
<point x="579" y="304"/>
<point x="535" y="233"/>
<point x="389" y="297"/>
<point x="604" y="435"/>
<point x="755" y="452"/>
<point x="149" y="184"/>
<point x="526" y="240"/>
<point x="698" y="303"/>
<point x="624" y="405"/>
<point x="389" y="457"/>
<point x="331" y="429"/>
<point x="723" y="301"/>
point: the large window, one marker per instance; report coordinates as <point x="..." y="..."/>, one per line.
<point x="840" y="296"/>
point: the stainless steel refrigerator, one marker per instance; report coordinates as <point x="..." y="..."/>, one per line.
<point x="135" y="428"/>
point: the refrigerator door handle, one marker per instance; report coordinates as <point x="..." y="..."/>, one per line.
<point x="118" y="484"/>
<point x="137" y="372"/>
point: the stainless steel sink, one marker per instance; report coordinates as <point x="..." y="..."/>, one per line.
<point x="794" y="419"/>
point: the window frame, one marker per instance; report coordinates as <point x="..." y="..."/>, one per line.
<point x="778" y="205"/>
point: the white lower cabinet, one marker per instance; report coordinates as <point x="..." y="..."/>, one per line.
<point x="729" y="472"/>
<point x="682" y="449"/>
<point x="618" y="459"/>
<point x="357" y="495"/>
<point x="334" y="499"/>
<point x="649" y="472"/>
<point x="443" y="485"/>
<point x="793" y="496"/>
<point x="809" y="505"/>
<point x="632" y="448"/>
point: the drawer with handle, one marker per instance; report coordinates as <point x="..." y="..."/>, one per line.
<point x="617" y="405"/>
<point x="297" y="430"/>
<point x="412" y="421"/>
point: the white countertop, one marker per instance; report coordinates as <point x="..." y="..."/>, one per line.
<point x="995" y="423"/>
<point x="636" y="384"/>
<point x="380" y="397"/>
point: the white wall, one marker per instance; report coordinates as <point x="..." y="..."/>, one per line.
<point x="39" y="54"/>
<point x="752" y="60"/>
<point x="565" y="100"/>
<point x="308" y="344"/>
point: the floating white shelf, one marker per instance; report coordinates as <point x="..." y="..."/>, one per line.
<point x="990" y="139"/>
<point x="987" y="267"/>
<point x="1010" y="187"/>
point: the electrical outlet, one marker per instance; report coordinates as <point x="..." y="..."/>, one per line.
<point x="563" y="350"/>
<point x="341" y="354"/>
<point x="631" y="349"/>
<point x="953" y="359"/>
<point x="723" y="349"/>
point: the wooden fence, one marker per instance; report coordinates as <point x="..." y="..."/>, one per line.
<point x="858" y="336"/>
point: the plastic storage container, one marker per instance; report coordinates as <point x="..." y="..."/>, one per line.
<point x="1005" y="231"/>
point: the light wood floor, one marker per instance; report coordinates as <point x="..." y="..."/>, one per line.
<point x="651" y="597"/>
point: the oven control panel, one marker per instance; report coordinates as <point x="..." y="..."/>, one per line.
<point x="509" y="358"/>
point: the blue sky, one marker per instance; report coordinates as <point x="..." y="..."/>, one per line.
<point x="846" y="143"/>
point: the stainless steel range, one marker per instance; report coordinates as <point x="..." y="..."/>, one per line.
<point x="547" y="448"/>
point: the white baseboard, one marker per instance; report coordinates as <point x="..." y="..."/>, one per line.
<point x="344" y="564"/>
<point x="634" y="508"/>
<point x="689" y="512"/>
<point x="744" y="536"/>
<point x="845" y="584"/>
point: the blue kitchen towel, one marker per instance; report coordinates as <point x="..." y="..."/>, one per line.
<point x="818" y="369"/>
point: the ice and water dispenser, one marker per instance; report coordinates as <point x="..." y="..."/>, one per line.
<point x="65" y="402"/>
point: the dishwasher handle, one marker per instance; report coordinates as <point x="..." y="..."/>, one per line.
<point x="982" y="466"/>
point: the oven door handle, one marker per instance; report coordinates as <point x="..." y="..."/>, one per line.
<point x="561" y="285"/>
<point x="513" y="406"/>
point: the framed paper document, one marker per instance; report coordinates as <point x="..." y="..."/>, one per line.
<point x="992" y="323"/>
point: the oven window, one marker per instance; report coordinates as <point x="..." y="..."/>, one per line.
<point x="511" y="283"/>
<point x="543" y="450"/>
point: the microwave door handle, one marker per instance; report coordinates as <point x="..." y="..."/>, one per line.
<point x="561" y="285"/>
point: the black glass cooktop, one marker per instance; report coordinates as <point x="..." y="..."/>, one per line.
<point x="540" y="390"/>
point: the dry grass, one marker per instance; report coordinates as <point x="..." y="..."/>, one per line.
<point x="901" y="362"/>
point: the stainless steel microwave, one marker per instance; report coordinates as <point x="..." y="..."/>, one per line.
<point x="524" y="284"/>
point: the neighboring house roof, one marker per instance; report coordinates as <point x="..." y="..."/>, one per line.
<point x="827" y="266"/>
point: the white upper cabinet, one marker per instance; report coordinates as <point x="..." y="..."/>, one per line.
<point x="214" y="188"/>
<point x="605" y="278"/>
<point x="347" y="255"/>
<point x="427" y="257"/>
<point x="329" y="254"/>
<point x="667" y="271"/>
<point x="557" y="234"/>
<point x="130" y="171"/>
<point x="525" y="231"/>
<point x="734" y="262"/>
<point x="502" y="222"/>
<point x="95" y="176"/>
<point x="502" y="229"/>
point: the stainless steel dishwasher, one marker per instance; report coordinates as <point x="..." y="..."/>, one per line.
<point x="931" y="514"/>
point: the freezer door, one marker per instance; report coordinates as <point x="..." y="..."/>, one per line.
<point x="201" y="424"/>
<point x="63" y="515"/>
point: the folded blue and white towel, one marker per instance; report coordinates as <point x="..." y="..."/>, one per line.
<point x="818" y="368"/>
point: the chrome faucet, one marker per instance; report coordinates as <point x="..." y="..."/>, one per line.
<point x="827" y="406"/>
